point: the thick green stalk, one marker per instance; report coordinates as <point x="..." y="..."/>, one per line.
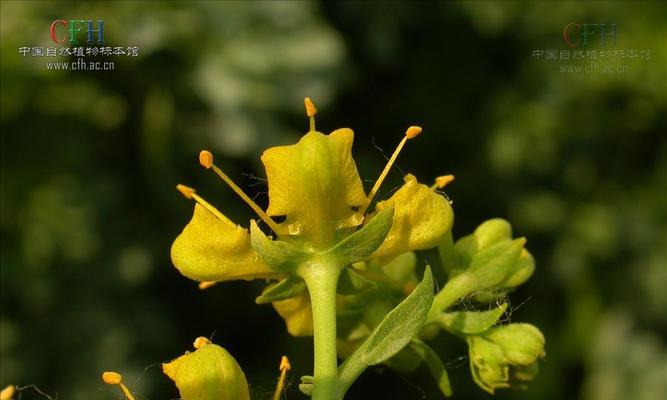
<point x="321" y="278"/>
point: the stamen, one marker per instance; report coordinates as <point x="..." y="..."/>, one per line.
<point x="442" y="181"/>
<point x="310" y="111"/>
<point x="206" y="160"/>
<point x="206" y="285"/>
<point x="7" y="393"/>
<point x="186" y="191"/>
<point x="114" y="378"/>
<point x="201" y="342"/>
<point x="190" y="193"/>
<point x="413" y="131"/>
<point x="284" y="367"/>
<point x="410" y="133"/>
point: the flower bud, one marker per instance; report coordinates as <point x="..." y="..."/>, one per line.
<point x="485" y="264"/>
<point x="517" y="269"/>
<point x="209" y="373"/>
<point x="505" y="356"/>
<point x="491" y="232"/>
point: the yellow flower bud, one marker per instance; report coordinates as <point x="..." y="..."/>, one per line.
<point x="209" y="373"/>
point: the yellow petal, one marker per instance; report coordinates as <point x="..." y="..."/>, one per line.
<point x="297" y="313"/>
<point x="421" y="218"/>
<point x="314" y="183"/>
<point x="210" y="249"/>
<point x="210" y="373"/>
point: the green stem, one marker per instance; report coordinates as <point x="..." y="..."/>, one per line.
<point x="457" y="287"/>
<point x="321" y="278"/>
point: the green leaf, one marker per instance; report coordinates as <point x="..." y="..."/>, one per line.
<point x="366" y="240"/>
<point x="351" y="282"/>
<point x="281" y="256"/>
<point x="434" y="365"/>
<point x="471" y="322"/>
<point x="400" y="325"/>
<point x="392" y="334"/>
<point x="283" y="290"/>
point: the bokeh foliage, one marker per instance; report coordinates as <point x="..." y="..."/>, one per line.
<point x="577" y="162"/>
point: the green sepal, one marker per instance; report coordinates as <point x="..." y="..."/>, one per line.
<point x="514" y="274"/>
<point x="434" y="365"/>
<point x="505" y="356"/>
<point x="362" y="243"/>
<point x="494" y="264"/>
<point x="522" y="271"/>
<point x="492" y="232"/>
<point x="395" y="331"/>
<point x="456" y="257"/>
<point x="351" y="282"/>
<point x="470" y="322"/>
<point x="447" y="254"/>
<point x="279" y="255"/>
<point x="487" y="365"/>
<point x="522" y="343"/>
<point x="283" y="290"/>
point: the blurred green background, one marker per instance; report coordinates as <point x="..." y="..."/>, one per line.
<point x="576" y="161"/>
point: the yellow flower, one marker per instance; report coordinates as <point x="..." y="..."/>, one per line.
<point x="212" y="248"/>
<point x="421" y="218"/>
<point x="314" y="184"/>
